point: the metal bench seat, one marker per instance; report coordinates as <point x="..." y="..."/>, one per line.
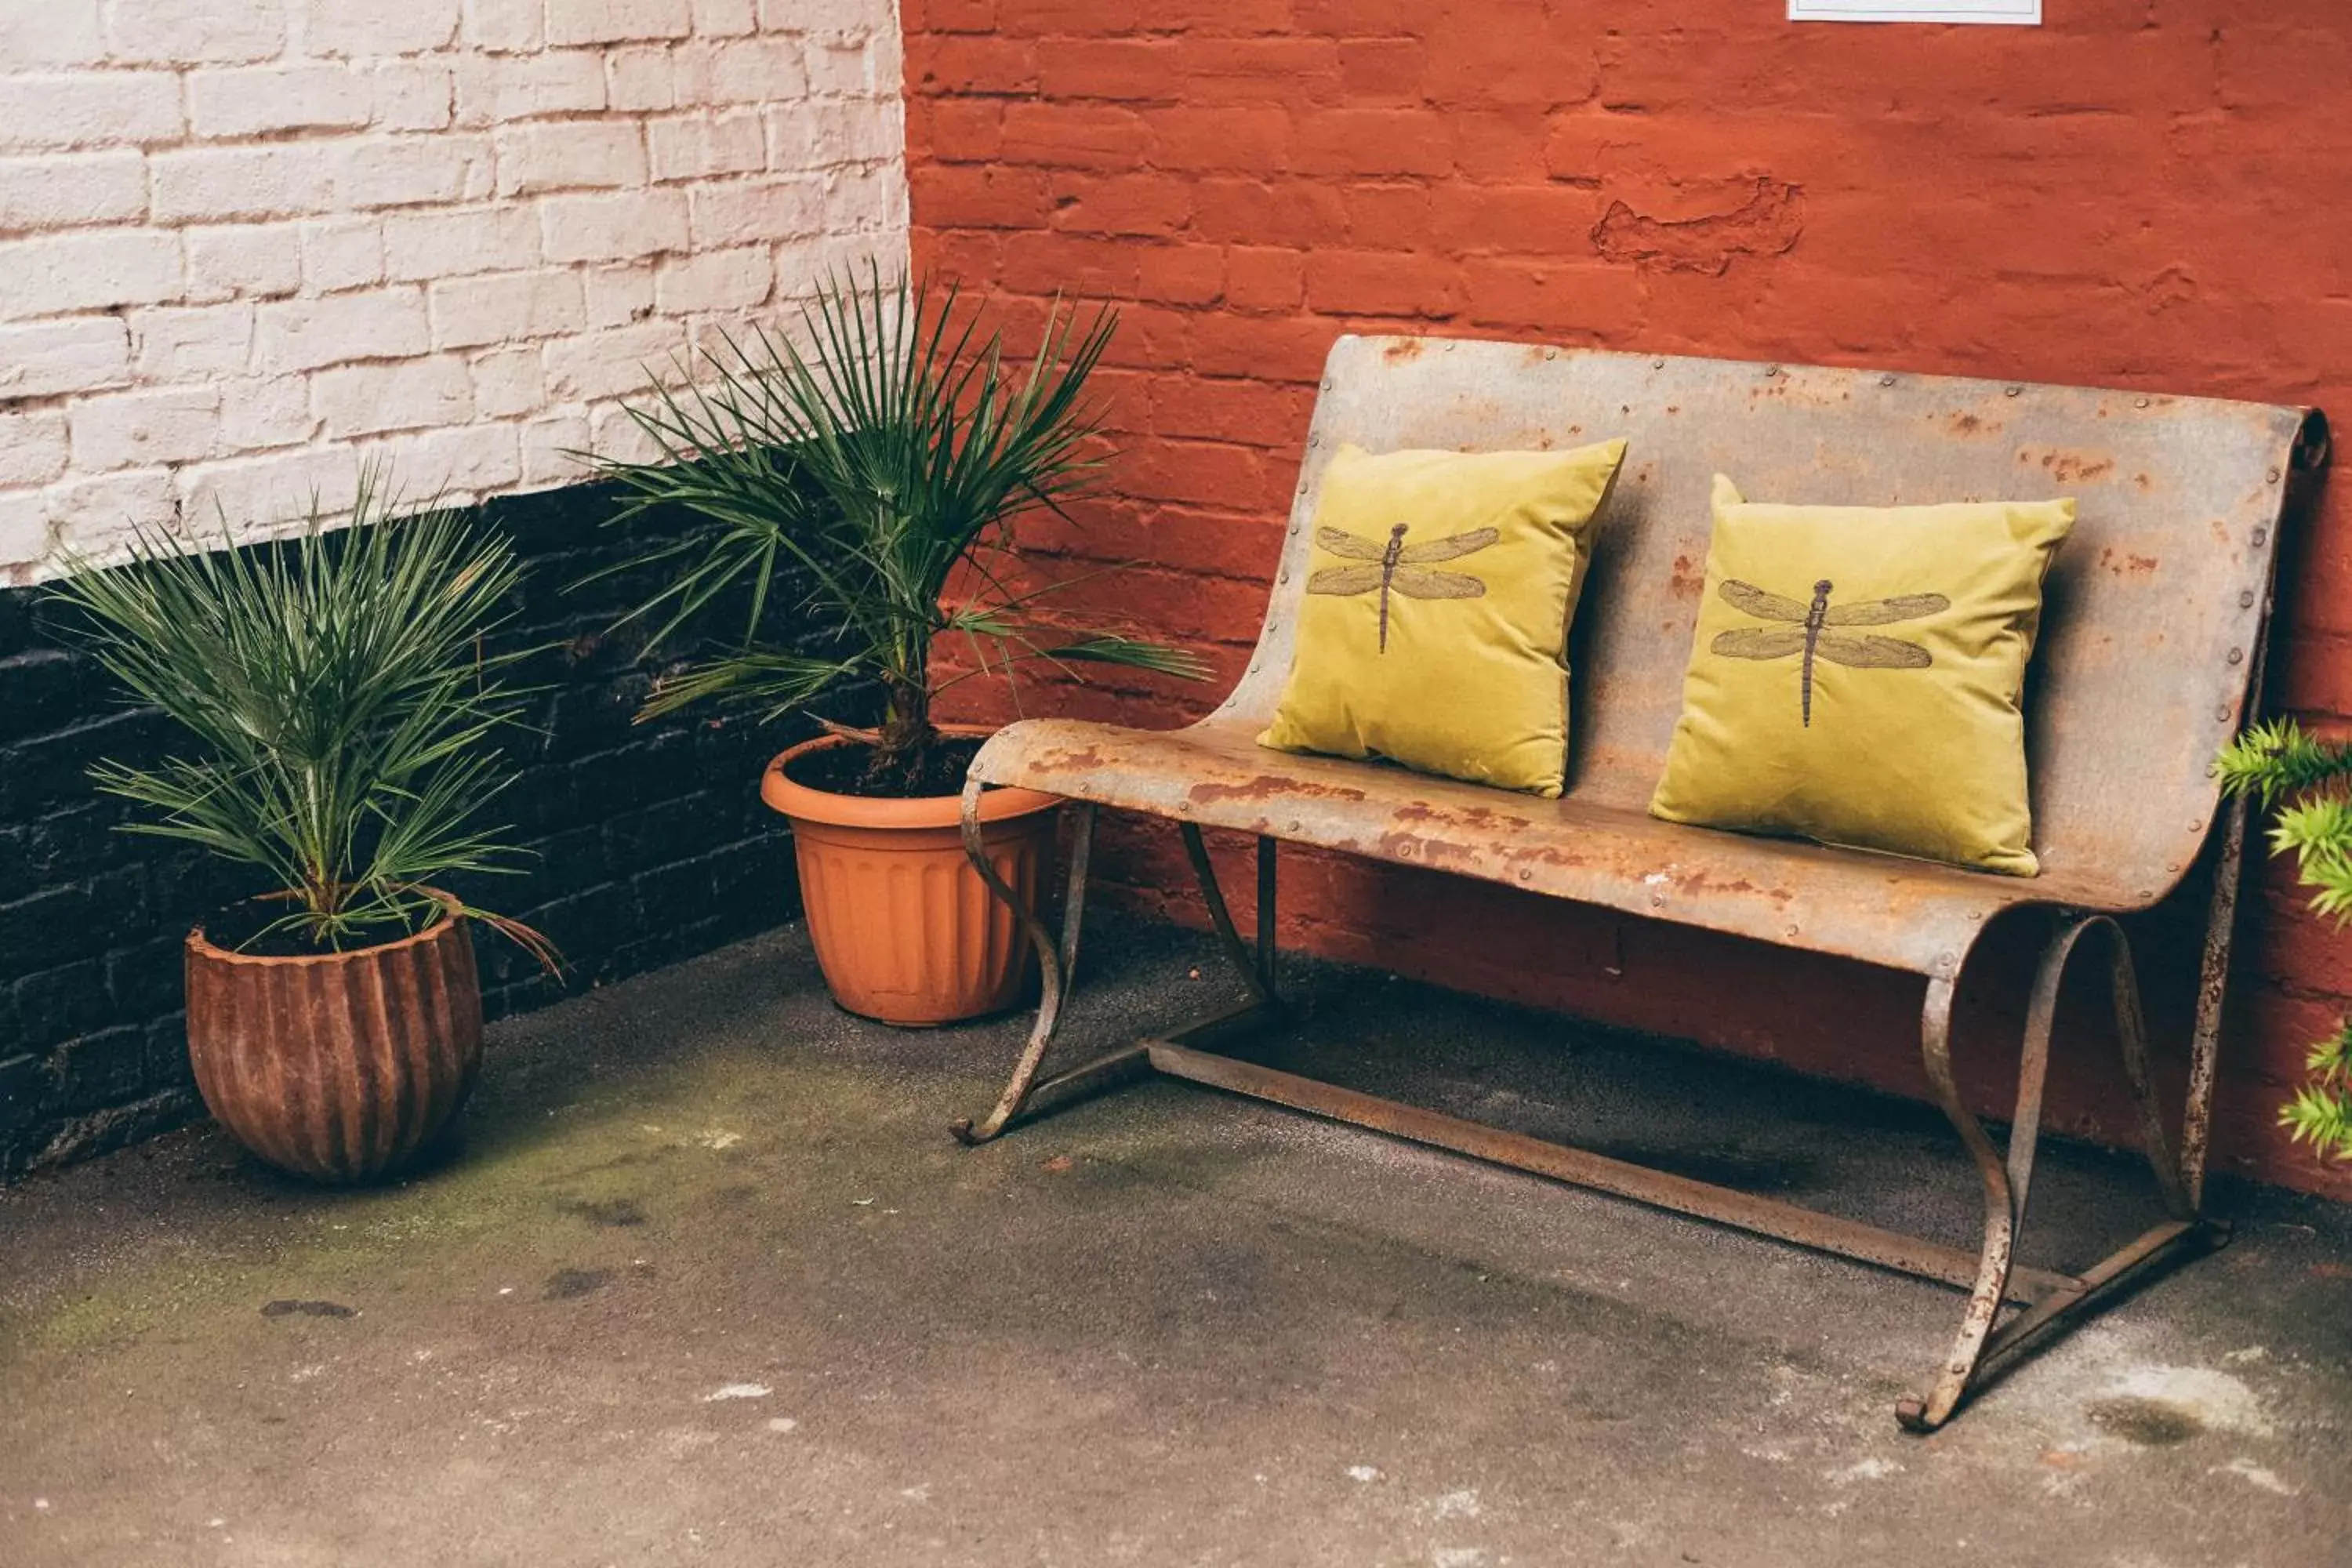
<point x="2155" y="618"/>
<point x="1879" y="909"/>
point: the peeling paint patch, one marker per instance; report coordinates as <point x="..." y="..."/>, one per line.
<point x="1767" y="224"/>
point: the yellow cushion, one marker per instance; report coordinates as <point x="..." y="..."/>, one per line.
<point x="1909" y="736"/>
<point x="1434" y="628"/>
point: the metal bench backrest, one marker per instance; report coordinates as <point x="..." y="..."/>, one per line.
<point x="2154" y="614"/>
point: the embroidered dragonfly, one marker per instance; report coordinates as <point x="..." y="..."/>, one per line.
<point x="1814" y="638"/>
<point x="1400" y="567"/>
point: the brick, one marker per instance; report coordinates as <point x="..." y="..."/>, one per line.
<point x="33" y="448"/>
<point x="1073" y="136"/>
<point x="68" y="190"/>
<point x="170" y="32"/>
<point x="341" y="253"/>
<point x="1145" y="204"/>
<point x="504" y="307"/>
<point x="725" y="18"/>
<point x="411" y="171"/>
<point x="697" y="146"/>
<point x="758" y="70"/>
<point x="192" y="342"/>
<point x="86" y="270"/>
<point x="739" y="212"/>
<point x="254" y="260"/>
<point x="93" y="108"/>
<point x="569" y="156"/>
<point x="549" y="445"/>
<point x="639" y="78"/>
<point x="1263" y="278"/>
<point x="265" y="491"/>
<point x="408" y="394"/>
<point x="617" y="21"/>
<point x="413" y="95"/>
<point x="619" y="293"/>
<point x="867" y="68"/>
<point x="260" y="412"/>
<point x="304" y="334"/>
<point x="467" y="460"/>
<point x="206" y="185"/>
<point x="92" y="516"/>
<point x="620" y="362"/>
<point x="256" y="100"/>
<point x="713" y="281"/>
<point x="51" y="35"/>
<point x="135" y="429"/>
<point x="612" y="228"/>
<point x="507" y="382"/>
<point x="506" y="26"/>
<point x="821" y="16"/>
<point x="493" y="90"/>
<point x="425" y="244"/>
<point x="48" y="358"/>
<point x="411" y="27"/>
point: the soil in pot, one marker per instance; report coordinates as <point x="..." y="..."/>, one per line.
<point x="850" y="770"/>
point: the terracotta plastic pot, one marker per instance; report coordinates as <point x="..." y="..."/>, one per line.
<point x="905" y="930"/>
<point x="341" y="1067"/>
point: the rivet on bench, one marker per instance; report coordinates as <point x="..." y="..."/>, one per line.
<point x="2222" y="713"/>
<point x="2237" y="654"/>
<point x="2246" y="600"/>
<point x="1525" y="874"/>
<point x="2139" y="403"/>
<point x="1657" y="364"/>
<point x="1552" y="354"/>
<point x="2014" y="391"/>
<point x="1886" y="381"/>
<point x="2273" y="476"/>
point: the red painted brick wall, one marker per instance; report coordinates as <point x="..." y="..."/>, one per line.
<point x="2144" y="193"/>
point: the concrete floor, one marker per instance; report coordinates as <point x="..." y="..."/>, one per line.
<point x="708" y="1284"/>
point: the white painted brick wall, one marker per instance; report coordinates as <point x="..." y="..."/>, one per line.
<point x="247" y="243"/>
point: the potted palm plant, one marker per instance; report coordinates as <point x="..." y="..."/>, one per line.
<point x="341" y="722"/>
<point x="875" y="458"/>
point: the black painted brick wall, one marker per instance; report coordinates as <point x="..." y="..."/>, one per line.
<point x="651" y="841"/>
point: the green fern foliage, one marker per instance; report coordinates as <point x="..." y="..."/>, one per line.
<point x="2303" y="778"/>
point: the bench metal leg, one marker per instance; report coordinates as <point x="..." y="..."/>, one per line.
<point x="1024" y="1098"/>
<point x="1056" y="966"/>
<point x="1981" y="1350"/>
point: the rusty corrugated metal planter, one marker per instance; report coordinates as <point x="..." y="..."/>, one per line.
<point x="341" y="1067"/>
<point x="904" y="929"/>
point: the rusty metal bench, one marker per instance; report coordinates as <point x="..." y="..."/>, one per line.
<point x="2151" y="651"/>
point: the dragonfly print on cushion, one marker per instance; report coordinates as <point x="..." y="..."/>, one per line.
<point x="1813" y="631"/>
<point x="1397" y="567"/>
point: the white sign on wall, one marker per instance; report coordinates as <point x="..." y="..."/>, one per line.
<point x="2022" y="12"/>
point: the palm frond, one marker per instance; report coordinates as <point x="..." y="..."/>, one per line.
<point x="339" y="712"/>
<point x="871" y="452"/>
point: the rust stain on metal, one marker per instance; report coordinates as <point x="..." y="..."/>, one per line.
<point x="2071" y="467"/>
<point x="1967" y="424"/>
<point x="2122" y="562"/>
<point x="1403" y="351"/>
<point x="1272" y="786"/>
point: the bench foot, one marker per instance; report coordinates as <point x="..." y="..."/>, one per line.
<point x="1025" y="1098"/>
<point x="1055" y="966"/>
<point x="1983" y="1350"/>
